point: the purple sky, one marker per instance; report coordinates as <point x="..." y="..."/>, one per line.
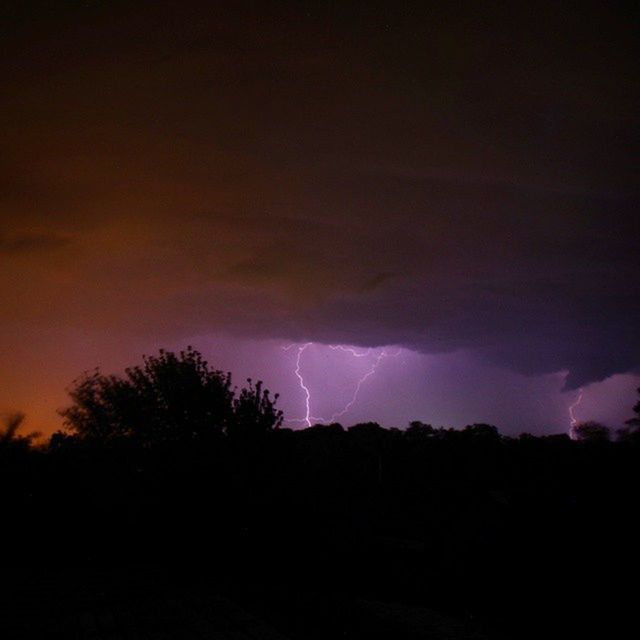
<point x="446" y="390"/>
<point x="461" y="183"/>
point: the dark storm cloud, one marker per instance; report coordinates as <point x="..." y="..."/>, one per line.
<point x="31" y="242"/>
<point x="424" y="176"/>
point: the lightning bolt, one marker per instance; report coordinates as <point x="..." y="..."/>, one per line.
<point x="351" y="350"/>
<point x="573" y="421"/>
<point x="368" y="374"/>
<point x="307" y="394"/>
<point x="308" y="417"/>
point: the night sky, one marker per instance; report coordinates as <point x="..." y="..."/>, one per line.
<point x="449" y="188"/>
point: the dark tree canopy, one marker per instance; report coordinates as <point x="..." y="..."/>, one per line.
<point x="10" y="439"/>
<point x="254" y="411"/>
<point x="11" y="424"/>
<point x="592" y="432"/>
<point x="635" y="421"/>
<point x="418" y="430"/>
<point x="169" y="398"/>
<point x="481" y="430"/>
<point x="632" y="432"/>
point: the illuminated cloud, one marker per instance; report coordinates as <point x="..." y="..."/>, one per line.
<point x="321" y="176"/>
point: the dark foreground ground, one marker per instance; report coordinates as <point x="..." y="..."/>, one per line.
<point x="136" y="604"/>
<point x="323" y="534"/>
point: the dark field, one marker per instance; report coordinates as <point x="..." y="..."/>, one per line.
<point x="321" y="533"/>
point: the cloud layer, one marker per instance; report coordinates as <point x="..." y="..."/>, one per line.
<point x="420" y="177"/>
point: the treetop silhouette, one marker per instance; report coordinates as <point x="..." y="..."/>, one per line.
<point x="169" y="398"/>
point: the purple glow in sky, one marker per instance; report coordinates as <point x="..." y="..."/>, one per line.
<point x="252" y="177"/>
<point x="452" y="389"/>
<point x="374" y="358"/>
<point x="321" y="383"/>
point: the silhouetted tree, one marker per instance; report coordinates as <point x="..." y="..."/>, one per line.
<point x="592" y="432"/>
<point x="12" y="422"/>
<point x="481" y="430"/>
<point x="367" y="431"/>
<point x="9" y="437"/>
<point x="419" y="431"/>
<point x="334" y="428"/>
<point x="254" y="411"/>
<point x="632" y="432"/>
<point x="635" y="421"/>
<point x="170" y="398"/>
<point x="636" y="409"/>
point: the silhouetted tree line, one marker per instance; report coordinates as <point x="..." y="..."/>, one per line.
<point x="170" y="464"/>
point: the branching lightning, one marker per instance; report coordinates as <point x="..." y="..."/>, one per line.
<point x="351" y="350"/>
<point x="308" y="417"/>
<point x="354" y="397"/>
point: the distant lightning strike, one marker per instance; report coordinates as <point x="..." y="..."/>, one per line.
<point x="573" y="421"/>
<point x="351" y="350"/>
<point x="307" y="394"/>
<point x="308" y="418"/>
<point x="354" y="397"/>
